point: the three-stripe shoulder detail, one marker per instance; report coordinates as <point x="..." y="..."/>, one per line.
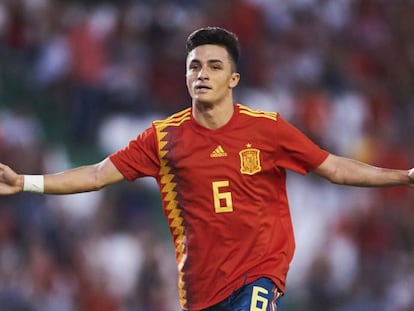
<point x="174" y="120"/>
<point x="258" y="113"/>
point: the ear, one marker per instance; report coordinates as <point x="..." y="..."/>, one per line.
<point x="234" y="80"/>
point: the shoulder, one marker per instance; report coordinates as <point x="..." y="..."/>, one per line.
<point x="176" y="119"/>
<point x="258" y="114"/>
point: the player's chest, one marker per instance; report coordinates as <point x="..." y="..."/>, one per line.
<point x="219" y="154"/>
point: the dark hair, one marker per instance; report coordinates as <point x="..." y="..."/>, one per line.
<point x="216" y="36"/>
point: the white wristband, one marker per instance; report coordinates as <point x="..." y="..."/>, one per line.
<point x="33" y="183"/>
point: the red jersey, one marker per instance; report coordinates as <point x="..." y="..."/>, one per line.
<point x="224" y="195"/>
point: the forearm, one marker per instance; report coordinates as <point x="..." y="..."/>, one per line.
<point x="363" y="175"/>
<point x="350" y="172"/>
<point x="80" y="179"/>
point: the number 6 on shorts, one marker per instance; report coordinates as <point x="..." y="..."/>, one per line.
<point x="259" y="303"/>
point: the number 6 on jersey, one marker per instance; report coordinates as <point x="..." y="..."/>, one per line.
<point x="222" y="199"/>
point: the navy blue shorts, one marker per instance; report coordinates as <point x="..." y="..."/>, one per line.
<point x="260" y="295"/>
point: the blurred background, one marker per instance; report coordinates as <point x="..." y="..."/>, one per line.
<point x="79" y="79"/>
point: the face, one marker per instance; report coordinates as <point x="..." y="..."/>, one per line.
<point x="210" y="75"/>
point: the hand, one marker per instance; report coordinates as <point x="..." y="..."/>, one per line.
<point x="411" y="176"/>
<point x="10" y="182"/>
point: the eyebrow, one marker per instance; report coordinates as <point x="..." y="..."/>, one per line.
<point x="210" y="61"/>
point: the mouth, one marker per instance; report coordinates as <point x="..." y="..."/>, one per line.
<point x="202" y="88"/>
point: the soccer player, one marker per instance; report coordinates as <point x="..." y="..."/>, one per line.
<point x="221" y="170"/>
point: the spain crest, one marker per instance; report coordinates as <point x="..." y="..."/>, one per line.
<point x="250" y="160"/>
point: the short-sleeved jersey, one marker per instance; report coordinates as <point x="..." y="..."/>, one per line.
<point x="224" y="195"/>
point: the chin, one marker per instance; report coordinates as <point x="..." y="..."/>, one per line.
<point x="202" y="98"/>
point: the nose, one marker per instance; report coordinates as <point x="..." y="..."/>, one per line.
<point x="202" y="74"/>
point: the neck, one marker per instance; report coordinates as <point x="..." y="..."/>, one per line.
<point x="212" y="116"/>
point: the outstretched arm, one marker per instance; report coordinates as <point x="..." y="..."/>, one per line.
<point x="345" y="171"/>
<point x="81" y="179"/>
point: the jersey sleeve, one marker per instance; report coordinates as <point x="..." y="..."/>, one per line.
<point x="139" y="158"/>
<point x="295" y="151"/>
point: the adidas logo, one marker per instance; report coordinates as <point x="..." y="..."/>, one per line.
<point x="218" y="152"/>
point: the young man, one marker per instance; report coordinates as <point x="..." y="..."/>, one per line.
<point x="221" y="171"/>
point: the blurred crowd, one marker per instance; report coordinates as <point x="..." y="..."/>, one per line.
<point x="79" y="79"/>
